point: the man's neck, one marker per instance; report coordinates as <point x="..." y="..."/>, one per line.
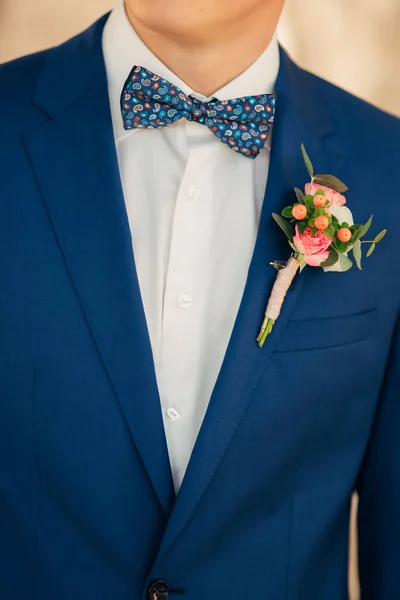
<point x="207" y="63"/>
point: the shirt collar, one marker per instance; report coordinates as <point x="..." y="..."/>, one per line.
<point x="123" y="48"/>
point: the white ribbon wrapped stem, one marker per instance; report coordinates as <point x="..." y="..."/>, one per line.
<point x="282" y="284"/>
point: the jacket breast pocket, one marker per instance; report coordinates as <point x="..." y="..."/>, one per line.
<point x="312" y="334"/>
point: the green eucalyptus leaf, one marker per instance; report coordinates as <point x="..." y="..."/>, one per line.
<point x="367" y="225"/>
<point x="330" y="181"/>
<point x="309" y="201"/>
<point x="355" y="230"/>
<point x="380" y="236"/>
<point x="357" y="253"/>
<point x="314" y="231"/>
<point x="340" y="246"/>
<point x="362" y="229"/>
<point x="307" y="161"/>
<point x="319" y="212"/>
<point x="299" y="195"/>
<point x="345" y="262"/>
<point x="302" y="262"/>
<point x="302" y="226"/>
<point x="287" y="212"/>
<point x="330" y="231"/>
<point x="284" y="225"/>
<point x="332" y="258"/>
<point x="371" y="249"/>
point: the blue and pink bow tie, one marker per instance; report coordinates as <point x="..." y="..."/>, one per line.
<point x="148" y="101"/>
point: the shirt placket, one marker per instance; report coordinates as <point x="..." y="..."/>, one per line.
<point x="185" y="297"/>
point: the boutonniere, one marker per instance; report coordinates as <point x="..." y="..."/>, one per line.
<point x="321" y="232"/>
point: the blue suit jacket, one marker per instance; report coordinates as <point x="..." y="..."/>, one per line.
<point x="87" y="507"/>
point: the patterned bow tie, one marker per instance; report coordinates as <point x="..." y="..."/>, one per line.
<point x="148" y="101"/>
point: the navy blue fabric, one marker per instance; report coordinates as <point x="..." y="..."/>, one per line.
<point x="87" y="506"/>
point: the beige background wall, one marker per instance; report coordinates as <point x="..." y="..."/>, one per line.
<point x="354" y="43"/>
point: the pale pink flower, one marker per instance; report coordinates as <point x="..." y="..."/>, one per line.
<point x="332" y="196"/>
<point x="315" y="260"/>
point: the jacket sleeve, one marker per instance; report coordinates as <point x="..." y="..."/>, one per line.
<point x="379" y="492"/>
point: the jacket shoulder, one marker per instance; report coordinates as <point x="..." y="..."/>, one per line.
<point x="361" y="125"/>
<point x="49" y="74"/>
<point x="18" y="80"/>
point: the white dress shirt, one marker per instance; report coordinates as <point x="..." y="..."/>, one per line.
<point x="194" y="207"/>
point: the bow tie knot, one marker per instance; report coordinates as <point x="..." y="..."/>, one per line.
<point x="149" y="101"/>
<point x="199" y="112"/>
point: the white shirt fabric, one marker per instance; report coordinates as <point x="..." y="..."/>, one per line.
<point x="194" y="207"/>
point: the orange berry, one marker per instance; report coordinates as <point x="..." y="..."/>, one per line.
<point x="344" y="234"/>
<point x="299" y="211"/>
<point x="319" y="200"/>
<point x="328" y="213"/>
<point x="321" y="222"/>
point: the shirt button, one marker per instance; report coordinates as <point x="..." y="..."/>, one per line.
<point x="185" y="300"/>
<point x="172" y="414"/>
<point x="193" y="192"/>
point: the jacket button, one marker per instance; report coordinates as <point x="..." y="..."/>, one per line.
<point x="158" y="590"/>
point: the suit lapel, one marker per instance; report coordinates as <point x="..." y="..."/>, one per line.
<point x="75" y="161"/>
<point x="244" y="362"/>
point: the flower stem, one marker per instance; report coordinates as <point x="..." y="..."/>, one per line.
<point x="265" y="330"/>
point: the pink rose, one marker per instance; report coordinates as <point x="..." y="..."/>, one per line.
<point x="315" y="260"/>
<point x="313" y="247"/>
<point x="331" y="195"/>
